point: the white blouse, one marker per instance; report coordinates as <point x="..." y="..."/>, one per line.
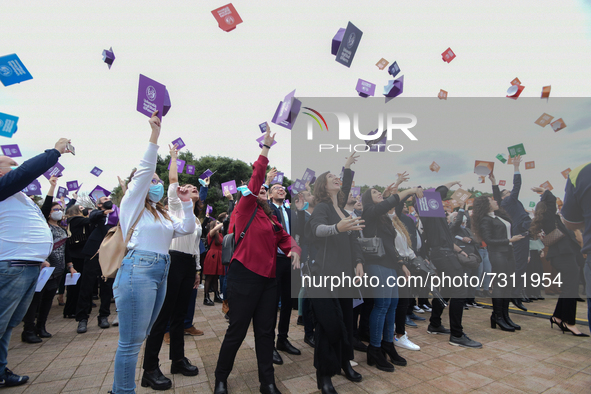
<point x="506" y="223"/>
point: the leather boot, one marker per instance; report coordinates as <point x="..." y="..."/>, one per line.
<point x="497" y="316"/>
<point x="30" y="337"/>
<point x="376" y="356"/>
<point x="207" y="301"/>
<point x="350" y="373"/>
<point x="506" y="314"/>
<point x="217" y="298"/>
<point x="324" y="384"/>
<point x="518" y="304"/>
<point x="41" y="331"/>
<point x="269" y="389"/>
<point x="395" y="358"/>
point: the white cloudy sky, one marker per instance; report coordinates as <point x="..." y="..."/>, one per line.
<point x="222" y="85"/>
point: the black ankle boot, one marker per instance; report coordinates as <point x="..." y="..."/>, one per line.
<point x="207" y="301"/>
<point x="220" y="387"/>
<point x="395" y="358"/>
<point x="497" y="316"/>
<point x="350" y="373"/>
<point x="324" y="384"/>
<point x="376" y="356"/>
<point x="41" y="331"/>
<point x="30" y="337"/>
<point x="217" y="298"/>
<point x="269" y="389"/>
<point x="506" y="315"/>
<point x="156" y="380"/>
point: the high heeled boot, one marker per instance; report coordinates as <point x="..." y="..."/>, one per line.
<point x="376" y="356"/>
<point x="497" y="316"/>
<point x="395" y="358"/>
<point x="506" y="314"/>
<point x="324" y="384"/>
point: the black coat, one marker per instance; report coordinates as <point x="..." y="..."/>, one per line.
<point x="378" y="225"/>
<point x="79" y="229"/>
<point x="568" y="244"/>
<point x="99" y="229"/>
<point x="494" y="233"/>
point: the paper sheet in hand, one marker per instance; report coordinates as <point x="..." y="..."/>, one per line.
<point x="43" y="278"/>
<point x="70" y="281"/>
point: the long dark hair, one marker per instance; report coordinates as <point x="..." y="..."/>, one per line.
<point x="536" y="225"/>
<point x="321" y="193"/>
<point x="480" y="210"/>
<point x="367" y="200"/>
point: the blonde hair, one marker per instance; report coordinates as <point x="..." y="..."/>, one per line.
<point x="401" y="229"/>
<point x="154" y="210"/>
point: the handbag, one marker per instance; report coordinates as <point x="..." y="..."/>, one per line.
<point x="228" y="244"/>
<point x="471" y="262"/>
<point x="114" y="248"/>
<point x="77" y="241"/>
<point x="554" y="236"/>
<point x="372" y="247"/>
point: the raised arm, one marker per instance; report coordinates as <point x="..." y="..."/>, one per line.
<point x="516" y="178"/>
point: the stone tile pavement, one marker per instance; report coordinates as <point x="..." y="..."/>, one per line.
<point x="536" y="359"/>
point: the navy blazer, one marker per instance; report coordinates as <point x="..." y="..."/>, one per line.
<point x="277" y="214"/>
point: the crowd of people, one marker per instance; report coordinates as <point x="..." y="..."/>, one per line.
<point x="172" y="246"/>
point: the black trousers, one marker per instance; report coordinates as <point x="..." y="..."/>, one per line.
<point x="361" y="318"/>
<point x="402" y="309"/>
<point x="534" y="267"/>
<point x="73" y="290"/>
<point x="566" y="306"/>
<point x="521" y="252"/>
<point x="40" y="305"/>
<point x="284" y="284"/>
<point x="447" y="264"/>
<point x="90" y="275"/>
<point x="502" y="263"/>
<point x="179" y="286"/>
<point x="250" y="297"/>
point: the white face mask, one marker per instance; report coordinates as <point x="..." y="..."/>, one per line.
<point x="57" y="215"/>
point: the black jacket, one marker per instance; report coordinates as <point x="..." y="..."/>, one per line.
<point x="99" y="229"/>
<point x="458" y="231"/>
<point x="568" y="244"/>
<point x="520" y="220"/>
<point x="79" y="230"/>
<point x="377" y="225"/>
<point x="494" y="233"/>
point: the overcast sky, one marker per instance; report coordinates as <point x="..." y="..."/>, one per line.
<point x="223" y="84"/>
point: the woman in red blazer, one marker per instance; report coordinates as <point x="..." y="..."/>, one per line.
<point x="251" y="284"/>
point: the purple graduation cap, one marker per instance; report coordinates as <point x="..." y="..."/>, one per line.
<point x="393" y="70"/>
<point x="113" y="216"/>
<point x="167" y="103"/>
<point x="56" y="170"/>
<point x="72" y="185"/>
<point x="394" y="88"/>
<point x="190" y="169"/>
<point x="278" y="178"/>
<point x="34" y="189"/>
<point x="308" y="175"/>
<point x="12" y="70"/>
<point x="151" y="96"/>
<point x="8" y="125"/>
<point x="209" y="209"/>
<point x="343" y="173"/>
<point x="180" y="165"/>
<point x="96" y="171"/>
<point x="61" y="192"/>
<point x="298" y="186"/>
<point x="229" y="186"/>
<point x="355" y="191"/>
<point x="430" y="206"/>
<point x="179" y="142"/>
<point x="263" y="127"/>
<point x="289" y="189"/>
<point x="109" y="57"/>
<point x="336" y="41"/>
<point x="261" y="139"/>
<point x="11" y="150"/>
<point x="206" y="174"/>
<point x="378" y="144"/>
<point x="98" y="192"/>
<point x="364" y="88"/>
<point x="287" y="111"/>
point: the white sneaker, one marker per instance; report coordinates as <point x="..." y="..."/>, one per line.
<point x="201" y="286"/>
<point x="425" y="307"/>
<point x="353" y="363"/>
<point x="405" y="343"/>
<point x="115" y="321"/>
<point x="417" y="309"/>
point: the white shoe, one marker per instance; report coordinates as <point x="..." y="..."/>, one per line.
<point x="201" y="286"/>
<point x="417" y="309"/>
<point x="405" y="343"/>
<point x="115" y="321"/>
<point x="353" y="363"/>
<point x="425" y="307"/>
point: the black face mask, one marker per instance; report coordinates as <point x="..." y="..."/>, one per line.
<point x="107" y="205"/>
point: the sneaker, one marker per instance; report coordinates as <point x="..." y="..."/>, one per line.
<point x="405" y="343"/>
<point x="115" y="321"/>
<point x="427" y="308"/>
<point x="82" y="326"/>
<point x="464" y="341"/>
<point x="193" y="331"/>
<point x="410" y="323"/>
<point x="466" y="307"/>
<point x="11" y="379"/>
<point x="415" y="317"/>
<point x="475" y="305"/>
<point x="438" y="330"/>
<point x="201" y="286"/>
<point x="416" y="309"/>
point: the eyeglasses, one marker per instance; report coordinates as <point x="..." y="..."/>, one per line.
<point x="57" y="209"/>
<point x="275" y="188"/>
<point x="156" y="181"/>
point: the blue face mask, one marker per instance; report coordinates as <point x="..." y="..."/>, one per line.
<point x="156" y="192"/>
<point x="306" y="206"/>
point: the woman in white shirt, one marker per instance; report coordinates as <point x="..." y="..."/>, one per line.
<point x="140" y="285"/>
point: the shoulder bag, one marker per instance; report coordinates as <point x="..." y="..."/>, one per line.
<point x="372" y="247"/>
<point x="228" y="244"/>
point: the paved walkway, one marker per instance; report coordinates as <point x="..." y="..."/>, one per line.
<point x="536" y="359"/>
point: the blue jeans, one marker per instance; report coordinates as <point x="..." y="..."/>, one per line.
<point x="17" y="287"/>
<point x="139" y="290"/>
<point x="383" y="314"/>
<point x="485" y="267"/>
